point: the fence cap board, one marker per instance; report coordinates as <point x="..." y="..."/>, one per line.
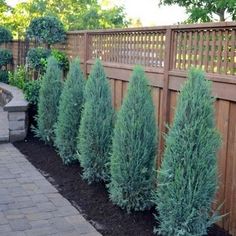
<point x="158" y="28"/>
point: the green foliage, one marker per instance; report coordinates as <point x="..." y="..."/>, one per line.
<point x="31" y="91"/>
<point x="62" y="59"/>
<point x="19" y="77"/>
<point x="47" y="29"/>
<point x="187" y="180"/>
<point x="36" y="57"/>
<point x="134" y="147"/>
<point x="204" y="10"/>
<point x="74" y="14"/>
<point x="4" y="76"/>
<point x="6" y="57"/>
<point x="49" y="96"/>
<point x="70" y="107"/>
<point x="5" y="35"/>
<point x="95" y="133"/>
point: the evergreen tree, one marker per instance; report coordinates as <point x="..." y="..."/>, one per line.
<point x="187" y="181"/>
<point x="70" y="107"/>
<point x="49" y="96"/>
<point x="134" y="147"/>
<point x="95" y="133"/>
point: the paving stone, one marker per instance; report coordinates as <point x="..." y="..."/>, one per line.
<point x="30" y="205"/>
<point x="20" y="224"/>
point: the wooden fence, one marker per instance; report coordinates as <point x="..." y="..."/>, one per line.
<point x="166" y="53"/>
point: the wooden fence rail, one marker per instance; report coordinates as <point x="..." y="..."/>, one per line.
<point x="166" y="53"/>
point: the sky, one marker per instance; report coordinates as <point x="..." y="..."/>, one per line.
<point x="147" y="11"/>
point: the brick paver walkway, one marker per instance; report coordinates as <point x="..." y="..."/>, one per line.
<point x="30" y="205"/>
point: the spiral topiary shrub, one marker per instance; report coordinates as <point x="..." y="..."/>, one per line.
<point x="49" y="96"/>
<point x="187" y="180"/>
<point x="134" y="147"/>
<point x="95" y="133"/>
<point x="46" y="29"/>
<point x="5" y="35"/>
<point x="70" y="107"/>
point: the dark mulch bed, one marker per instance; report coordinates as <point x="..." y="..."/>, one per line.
<point x="91" y="200"/>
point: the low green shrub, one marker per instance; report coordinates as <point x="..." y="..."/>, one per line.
<point x="70" y="107"/>
<point x="62" y="59"/>
<point x="31" y="91"/>
<point x="6" y="57"/>
<point x="36" y="58"/>
<point x="133" y="159"/>
<point x="5" y="35"/>
<point x="4" y="76"/>
<point x="95" y="132"/>
<point x="19" y="77"/>
<point x="49" y="96"/>
<point x="187" y="181"/>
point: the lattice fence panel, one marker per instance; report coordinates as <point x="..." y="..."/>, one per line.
<point x="213" y="50"/>
<point x="145" y="48"/>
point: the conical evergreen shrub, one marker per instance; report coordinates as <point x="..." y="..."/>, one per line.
<point x="134" y="147"/>
<point x="70" y="107"/>
<point x="95" y="133"/>
<point x="49" y="96"/>
<point x="187" y="181"/>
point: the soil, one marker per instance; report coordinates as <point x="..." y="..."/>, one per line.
<point x="91" y="200"/>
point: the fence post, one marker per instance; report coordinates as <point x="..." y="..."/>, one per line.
<point x="166" y="96"/>
<point x="85" y="53"/>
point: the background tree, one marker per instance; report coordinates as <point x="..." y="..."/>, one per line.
<point x="206" y="10"/>
<point x="95" y="132"/>
<point x="49" y="96"/>
<point x="70" y="107"/>
<point x="134" y="147"/>
<point x="187" y="180"/>
<point x="74" y="14"/>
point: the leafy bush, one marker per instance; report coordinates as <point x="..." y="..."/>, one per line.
<point x="46" y="29"/>
<point x="187" y="181"/>
<point x="95" y="133"/>
<point x="19" y="77"/>
<point x="4" y="76"/>
<point x="134" y="147"/>
<point x="31" y="91"/>
<point x="36" y="57"/>
<point x="6" y="57"/>
<point x="49" y="96"/>
<point x="70" y="107"/>
<point x="62" y="59"/>
<point x="5" y="35"/>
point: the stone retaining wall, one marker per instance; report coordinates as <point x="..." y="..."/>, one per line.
<point x="12" y="100"/>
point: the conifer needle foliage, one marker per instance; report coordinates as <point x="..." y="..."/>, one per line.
<point x="95" y="133"/>
<point x="134" y="147"/>
<point x="187" y="181"/>
<point x="49" y="96"/>
<point x="70" y="107"/>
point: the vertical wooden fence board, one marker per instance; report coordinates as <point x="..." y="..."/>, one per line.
<point x="222" y="125"/>
<point x="231" y="158"/>
<point x="118" y="94"/>
<point x="112" y="84"/>
<point x="124" y="88"/>
<point x="173" y="101"/>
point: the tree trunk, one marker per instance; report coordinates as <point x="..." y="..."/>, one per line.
<point x="221" y="14"/>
